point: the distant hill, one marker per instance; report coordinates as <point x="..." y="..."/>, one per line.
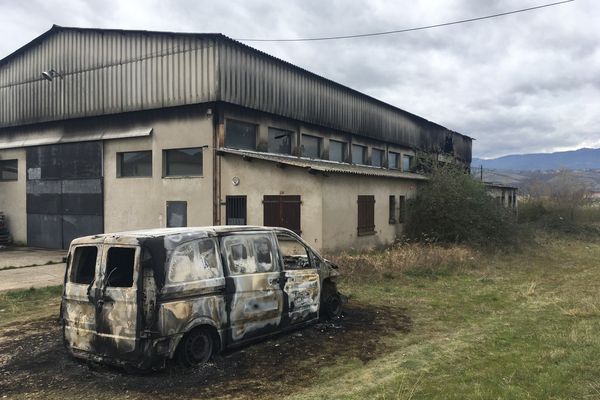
<point x="582" y="159"/>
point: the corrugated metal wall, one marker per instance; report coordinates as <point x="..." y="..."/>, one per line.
<point x="108" y="72"/>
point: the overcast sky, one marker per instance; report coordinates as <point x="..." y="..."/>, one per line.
<point x="522" y="83"/>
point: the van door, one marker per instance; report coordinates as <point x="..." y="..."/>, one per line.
<point x="100" y="308"/>
<point x="253" y="285"/>
<point x="302" y="282"/>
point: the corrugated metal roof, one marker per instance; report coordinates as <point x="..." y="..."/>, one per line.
<point x="108" y="71"/>
<point x="324" y="166"/>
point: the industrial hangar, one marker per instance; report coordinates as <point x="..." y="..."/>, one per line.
<point x="112" y="130"/>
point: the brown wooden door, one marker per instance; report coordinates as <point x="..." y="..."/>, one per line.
<point x="283" y="211"/>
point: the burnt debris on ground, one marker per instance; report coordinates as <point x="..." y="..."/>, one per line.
<point x="34" y="362"/>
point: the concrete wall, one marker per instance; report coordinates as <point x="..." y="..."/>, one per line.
<point x="140" y="202"/>
<point x="258" y="178"/>
<point x="340" y="210"/>
<point x="12" y="197"/>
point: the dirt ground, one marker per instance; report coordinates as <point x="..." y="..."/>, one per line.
<point x="34" y="363"/>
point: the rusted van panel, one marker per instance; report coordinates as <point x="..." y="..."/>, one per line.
<point x="137" y="298"/>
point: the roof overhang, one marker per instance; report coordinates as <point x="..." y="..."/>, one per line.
<point x="322" y="166"/>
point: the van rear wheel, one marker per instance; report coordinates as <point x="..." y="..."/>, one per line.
<point x="195" y="348"/>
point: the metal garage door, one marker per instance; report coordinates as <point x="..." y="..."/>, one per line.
<point x="64" y="193"/>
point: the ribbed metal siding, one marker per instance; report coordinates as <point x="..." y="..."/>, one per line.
<point x="260" y="82"/>
<point x="105" y="73"/>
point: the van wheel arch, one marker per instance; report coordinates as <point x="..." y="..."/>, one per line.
<point x="198" y="345"/>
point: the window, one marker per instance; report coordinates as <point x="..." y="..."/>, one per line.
<point x="83" y="266"/>
<point x="119" y="267"/>
<point x="359" y="154"/>
<point x="194" y="261"/>
<point x="392" y="209"/>
<point x="337" y="151"/>
<point x="401" y="209"/>
<point x="311" y="146"/>
<point x="293" y="252"/>
<point x="176" y="214"/>
<point x="283" y="211"/>
<point x="280" y="141"/>
<point x="9" y="170"/>
<point x="366" y="215"/>
<point x="393" y="159"/>
<point x="134" y="163"/>
<point x="407" y="162"/>
<point x="249" y="254"/>
<point x="235" y="209"/>
<point x="377" y="158"/>
<point x="183" y="162"/>
<point x="240" y="135"/>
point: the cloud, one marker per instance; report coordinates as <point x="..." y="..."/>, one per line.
<point x="521" y="83"/>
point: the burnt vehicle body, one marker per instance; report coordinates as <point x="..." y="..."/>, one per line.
<point x="139" y="298"/>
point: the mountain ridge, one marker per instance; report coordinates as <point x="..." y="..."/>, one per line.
<point x="580" y="159"/>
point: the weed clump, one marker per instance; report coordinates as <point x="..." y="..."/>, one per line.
<point x="452" y="207"/>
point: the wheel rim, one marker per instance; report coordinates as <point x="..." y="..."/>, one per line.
<point x="199" y="348"/>
<point x="334" y="305"/>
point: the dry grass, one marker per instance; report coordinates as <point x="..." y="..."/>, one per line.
<point x="406" y="258"/>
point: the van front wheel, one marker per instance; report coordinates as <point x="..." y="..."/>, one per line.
<point x="195" y="348"/>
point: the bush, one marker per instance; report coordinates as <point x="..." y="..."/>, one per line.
<point x="454" y="207"/>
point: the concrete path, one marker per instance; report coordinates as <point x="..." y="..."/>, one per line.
<point x="17" y="257"/>
<point x="26" y="277"/>
<point x="25" y="267"/>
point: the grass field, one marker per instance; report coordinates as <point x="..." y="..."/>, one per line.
<point x="510" y="325"/>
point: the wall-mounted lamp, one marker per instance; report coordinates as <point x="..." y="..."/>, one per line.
<point x="51" y="74"/>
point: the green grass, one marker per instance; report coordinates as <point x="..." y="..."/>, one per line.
<point x="23" y="305"/>
<point x="511" y="326"/>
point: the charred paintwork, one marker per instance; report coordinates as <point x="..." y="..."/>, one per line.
<point x="183" y="278"/>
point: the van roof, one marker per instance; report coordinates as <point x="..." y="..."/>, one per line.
<point x="165" y="232"/>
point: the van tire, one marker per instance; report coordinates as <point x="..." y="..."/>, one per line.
<point x="196" y="347"/>
<point x="331" y="302"/>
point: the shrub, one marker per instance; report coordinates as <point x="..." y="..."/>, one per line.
<point x="454" y="207"/>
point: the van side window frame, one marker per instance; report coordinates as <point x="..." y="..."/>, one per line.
<point x="311" y="257"/>
<point x="225" y="253"/>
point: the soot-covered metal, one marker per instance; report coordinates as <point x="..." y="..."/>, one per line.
<point x="136" y="298"/>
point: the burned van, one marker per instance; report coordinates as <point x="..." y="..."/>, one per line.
<point x="139" y="298"/>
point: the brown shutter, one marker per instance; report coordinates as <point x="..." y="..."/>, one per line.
<point x="366" y="215"/>
<point x="283" y="211"/>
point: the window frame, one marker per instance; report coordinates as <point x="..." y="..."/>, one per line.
<point x="364" y="160"/>
<point x="228" y="122"/>
<point x="319" y="146"/>
<point x="120" y="155"/>
<point x="396" y="164"/>
<point x="382" y="159"/>
<point x="309" y="253"/>
<point x="16" y="162"/>
<point x="243" y="199"/>
<point x="410" y="162"/>
<point x="344" y="150"/>
<point x="287" y="132"/>
<point x="225" y="253"/>
<point x="165" y="157"/>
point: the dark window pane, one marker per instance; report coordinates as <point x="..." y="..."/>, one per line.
<point x="184" y="162"/>
<point x="280" y="141"/>
<point x="311" y="146"/>
<point x="240" y="135"/>
<point x="119" y="267"/>
<point x="135" y="163"/>
<point x="176" y="214"/>
<point x="336" y="151"/>
<point x="377" y="158"/>
<point x="393" y="160"/>
<point x="9" y="170"/>
<point x="406" y="162"/>
<point x="402" y="209"/>
<point x="83" y="266"/>
<point x="359" y="154"/>
<point x="392" y="209"/>
<point x="235" y="208"/>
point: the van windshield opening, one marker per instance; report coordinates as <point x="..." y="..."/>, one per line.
<point x="83" y="267"/>
<point x="119" y="267"/>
